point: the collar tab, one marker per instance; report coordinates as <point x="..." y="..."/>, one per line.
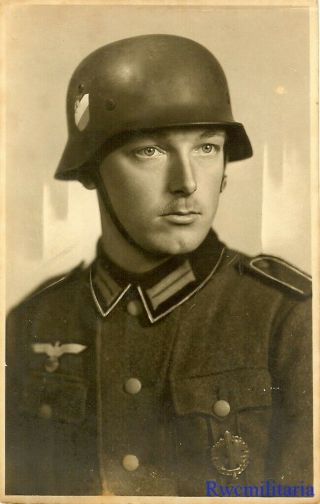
<point x="162" y="290"/>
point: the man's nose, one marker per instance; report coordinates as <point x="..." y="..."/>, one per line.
<point x="181" y="175"/>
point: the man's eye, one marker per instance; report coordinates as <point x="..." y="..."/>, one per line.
<point x="209" y="148"/>
<point x="149" y="152"/>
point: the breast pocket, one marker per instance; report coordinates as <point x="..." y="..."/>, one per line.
<point x="58" y="397"/>
<point x="207" y="407"/>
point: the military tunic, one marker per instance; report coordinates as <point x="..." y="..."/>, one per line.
<point x="184" y="373"/>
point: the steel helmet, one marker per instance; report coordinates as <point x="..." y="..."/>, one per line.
<point x="145" y="82"/>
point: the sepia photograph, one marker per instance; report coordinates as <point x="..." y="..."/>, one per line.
<point x="160" y="336"/>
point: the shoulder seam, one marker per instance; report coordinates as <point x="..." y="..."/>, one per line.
<point x="58" y="281"/>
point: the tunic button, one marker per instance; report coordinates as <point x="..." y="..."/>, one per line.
<point x="263" y="263"/>
<point x="45" y="411"/>
<point x="134" y="308"/>
<point x="221" y="408"/>
<point x="132" y="386"/>
<point x="130" y="462"/>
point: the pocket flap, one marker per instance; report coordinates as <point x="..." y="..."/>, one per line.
<point x="60" y="397"/>
<point x="242" y="388"/>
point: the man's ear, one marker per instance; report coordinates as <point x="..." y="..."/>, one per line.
<point x="87" y="181"/>
<point x="225" y="158"/>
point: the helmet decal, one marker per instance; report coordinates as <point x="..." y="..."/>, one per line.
<point x="81" y="112"/>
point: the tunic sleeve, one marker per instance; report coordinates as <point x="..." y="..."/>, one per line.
<point x="290" y="455"/>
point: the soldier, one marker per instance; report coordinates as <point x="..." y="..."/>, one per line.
<point x="171" y="360"/>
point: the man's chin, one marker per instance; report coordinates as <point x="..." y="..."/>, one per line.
<point x="177" y="245"/>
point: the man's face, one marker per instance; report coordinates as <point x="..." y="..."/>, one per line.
<point x="164" y="186"/>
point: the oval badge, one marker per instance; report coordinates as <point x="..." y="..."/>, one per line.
<point x="230" y="455"/>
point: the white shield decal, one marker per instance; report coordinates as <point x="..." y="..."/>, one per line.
<point x="81" y="112"/>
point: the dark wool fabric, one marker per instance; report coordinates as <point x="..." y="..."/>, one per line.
<point x="242" y="337"/>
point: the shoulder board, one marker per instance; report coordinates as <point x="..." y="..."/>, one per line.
<point x="278" y="271"/>
<point x="52" y="282"/>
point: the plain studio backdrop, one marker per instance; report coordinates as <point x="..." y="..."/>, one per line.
<point x="53" y="225"/>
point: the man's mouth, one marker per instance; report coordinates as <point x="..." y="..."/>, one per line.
<point x="182" y="212"/>
<point x="181" y="216"/>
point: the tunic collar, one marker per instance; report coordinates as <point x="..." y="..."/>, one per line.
<point x="161" y="290"/>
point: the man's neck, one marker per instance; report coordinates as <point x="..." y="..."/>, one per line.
<point x="124" y="254"/>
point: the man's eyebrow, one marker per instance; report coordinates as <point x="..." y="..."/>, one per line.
<point x="154" y="134"/>
<point x="213" y="132"/>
